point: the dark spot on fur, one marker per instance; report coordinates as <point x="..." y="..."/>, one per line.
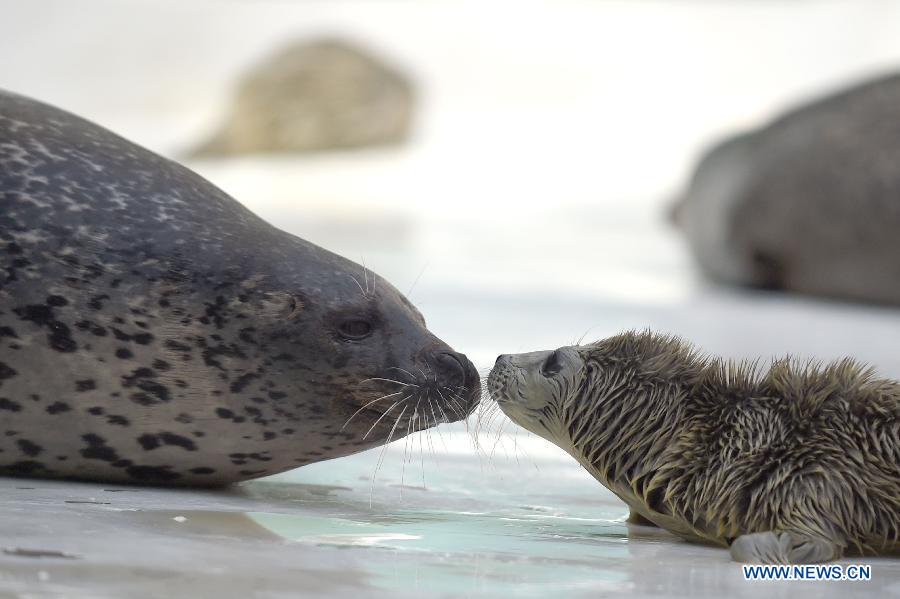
<point x="143" y="338"/>
<point x="242" y="381"/>
<point x="96" y="302"/>
<point x="28" y="448"/>
<point x="148" y="442"/>
<point x="58" y="407"/>
<point x="224" y="413"/>
<point x="8" y="332"/>
<point x="124" y="353"/>
<point x="98" y="449"/>
<point x="117" y="420"/>
<point x="57" y="301"/>
<point x="151" y="474"/>
<point x="92" y="327"/>
<point x="6" y="372"/>
<point x="96" y="411"/>
<point x="277" y="395"/>
<point x="8" y="404"/>
<point x="120" y="335"/>
<point x="37" y="313"/>
<point x="60" y="338"/>
<point x="184" y="418"/>
<point x="151" y="392"/>
<point x="202" y="470"/>
<point x="161" y="365"/>
<point x="177" y="346"/>
<point x="85" y="385"/>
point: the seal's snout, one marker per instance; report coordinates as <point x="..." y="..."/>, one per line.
<point x="457" y="371"/>
<point x="457" y="368"/>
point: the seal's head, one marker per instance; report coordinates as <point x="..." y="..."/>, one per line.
<point x="595" y="400"/>
<point x="341" y="358"/>
<point x="365" y="361"/>
<point x="534" y="388"/>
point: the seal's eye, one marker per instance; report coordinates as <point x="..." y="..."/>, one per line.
<point x="355" y="329"/>
<point x="551" y="365"/>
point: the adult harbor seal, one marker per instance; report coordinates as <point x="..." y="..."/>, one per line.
<point x="798" y="464"/>
<point x="153" y="330"/>
<point x="807" y="203"/>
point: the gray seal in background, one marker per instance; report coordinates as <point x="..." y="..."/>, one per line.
<point x="809" y="203"/>
<point x="153" y="330"/>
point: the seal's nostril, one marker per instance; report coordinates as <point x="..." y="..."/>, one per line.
<point x="451" y="366"/>
<point x="458" y="371"/>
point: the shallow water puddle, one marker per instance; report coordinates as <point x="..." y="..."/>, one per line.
<point x="483" y="552"/>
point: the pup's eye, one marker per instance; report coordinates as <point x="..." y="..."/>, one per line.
<point x="551" y="365"/>
<point x="355" y="329"/>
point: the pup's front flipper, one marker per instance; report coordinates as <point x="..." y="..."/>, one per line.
<point x="636" y="518"/>
<point x="783" y="548"/>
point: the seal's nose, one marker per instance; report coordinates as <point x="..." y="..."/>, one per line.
<point x="458" y="371"/>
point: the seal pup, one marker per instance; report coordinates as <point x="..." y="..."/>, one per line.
<point x="795" y="465"/>
<point x="153" y="330"/>
<point x="807" y="203"/>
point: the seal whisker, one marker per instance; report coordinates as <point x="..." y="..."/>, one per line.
<point x="403" y="370"/>
<point x="406" y="437"/>
<point x="418" y="276"/>
<point x="367" y="405"/>
<point x="385" y="413"/>
<point x="381" y="455"/>
<point x="387" y="381"/>
<point x="355" y="280"/>
<point x="421" y="452"/>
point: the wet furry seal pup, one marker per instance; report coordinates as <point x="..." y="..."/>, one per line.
<point x="153" y="330"/>
<point x="794" y="465"/>
<point x="807" y="203"/>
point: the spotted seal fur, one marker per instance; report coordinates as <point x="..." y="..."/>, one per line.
<point x="153" y="330"/>
<point x="797" y="464"/>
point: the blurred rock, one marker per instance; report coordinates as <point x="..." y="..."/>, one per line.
<point x="809" y="203"/>
<point x="323" y="95"/>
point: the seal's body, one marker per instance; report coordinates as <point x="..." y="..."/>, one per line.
<point x="153" y="330"/>
<point x="807" y="203"/>
<point x="796" y="465"/>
